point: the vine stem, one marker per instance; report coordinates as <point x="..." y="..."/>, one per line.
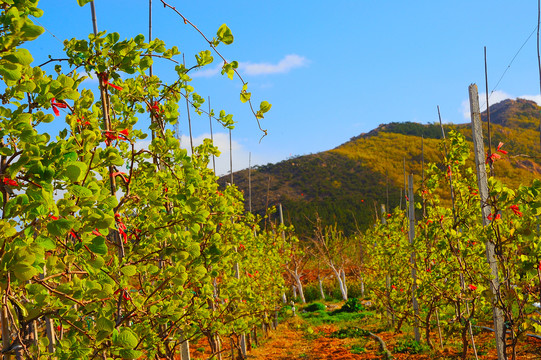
<point x="210" y="43"/>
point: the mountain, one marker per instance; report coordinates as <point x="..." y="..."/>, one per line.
<point x="520" y="113"/>
<point x="348" y="184"/>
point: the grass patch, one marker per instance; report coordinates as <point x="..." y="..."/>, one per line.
<point x="409" y="346"/>
<point x="315" y="307"/>
<point x="317" y="318"/>
<point x="349" y="332"/>
<point x="349" y="314"/>
<point x="357" y="349"/>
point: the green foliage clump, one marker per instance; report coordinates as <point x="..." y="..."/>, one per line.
<point x="315" y="307"/>
<point x="430" y="131"/>
<point x="357" y="349"/>
<point x="352" y="305"/>
<point x="409" y="346"/>
<point x="349" y="332"/>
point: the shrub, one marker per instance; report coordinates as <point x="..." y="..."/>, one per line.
<point x="351" y="306"/>
<point x="349" y="333"/>
<point x="315" y="307"/>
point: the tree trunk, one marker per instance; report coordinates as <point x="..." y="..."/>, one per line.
<point x="299" y="287"/>
<point x="341" y="283"/>
<point x="321" y="287"/>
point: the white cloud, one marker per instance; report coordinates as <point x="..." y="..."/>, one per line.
<point x="495" y="97"/>
<point x="206" y="72"/>
<point x="536" y="98"/>
<point x="285" y="65"/>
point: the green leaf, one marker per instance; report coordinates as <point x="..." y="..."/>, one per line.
<point x="83" y="2"/>
<point x="111" y="202"/>
<point x="71" y="156"/>
<point x="153" y="269"/>
<point x="129" y="270"/>
<point x="98" y="245"/>
<point x="31" y="31"/>
<point x="225" y="35"/>
<point x="112" y="37"/>
<point x="80" y="191"/>
<point x="20" y="56"/>
<point x="24" y="271"/>
<point x="126" y="339"/>
<point x="130" y="354"/>
<point x="76" y="171"/>
<point x="10" y="71"/>
<point x="97" y="262"/>
<point x="59" y="227"/>
<point x="46" y="243"/>
<point x="104" y="324"/>
<point x="245" y="96"/>
<point x="23" y="310"/>
<point x="145" y="62"/>
<point x="204" y="58"/>
<point x="6" y="151"/>
<point x="105" y="222"/>
<point x="194" y="250"/>
<point x="264" y="106"/>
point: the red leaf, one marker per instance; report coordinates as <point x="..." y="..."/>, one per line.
<point x="119" y="88"/>
<point x="493" y="157"/>
<point x="56" y="105"/>
<point x="516" y="210"/>
<point x="472" y="287"/>
<point x="499" y="148"/>
<point x="10" y="182"/>
<point x="110" y="135"/>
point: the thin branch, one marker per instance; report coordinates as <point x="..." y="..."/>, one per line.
<point x="211" y="45"/>
<point x="51" y="60"/>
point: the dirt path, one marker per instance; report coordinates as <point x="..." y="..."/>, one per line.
<point x="292" y="342"/>
<point x="289" y="342"/>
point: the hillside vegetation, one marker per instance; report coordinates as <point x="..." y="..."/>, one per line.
<point x="347" y="184"/>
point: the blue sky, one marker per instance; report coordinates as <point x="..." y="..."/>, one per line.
<point x="332" y="70"/>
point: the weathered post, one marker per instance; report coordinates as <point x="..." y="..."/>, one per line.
<point x="412" y="260"/>
<point x="479" y="151"/>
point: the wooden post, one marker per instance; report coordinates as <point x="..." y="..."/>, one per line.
<point x="439" y="328"/>
<point x="480" y="164"/>
<point x="412" y="261"/>
<point x="184" y="347"/>
<point x="242" y="343"/>
<point x="6" y="338"/>
<point x="49" y="327"/>
<point x="405" y="187"/>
